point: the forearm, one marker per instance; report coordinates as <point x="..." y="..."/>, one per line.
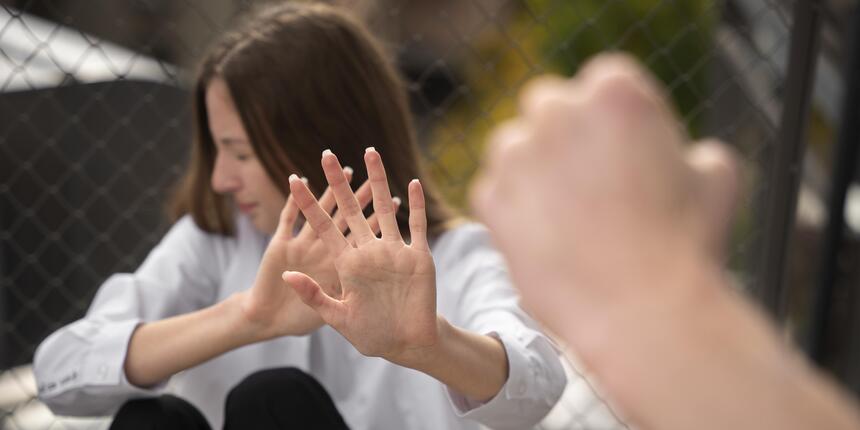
<point x="162" y="348"/>
<point x="471" y="364"/>
<point x="710" y="360"/>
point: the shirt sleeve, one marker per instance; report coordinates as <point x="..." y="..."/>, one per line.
<point x="79" y="368"/>
<point x="489" y="304"/>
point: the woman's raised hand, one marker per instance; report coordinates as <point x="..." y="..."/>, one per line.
<point x="275" y="310"/>
<point x="387" y="305"/>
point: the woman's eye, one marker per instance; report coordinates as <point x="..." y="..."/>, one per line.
<point x="243" y="157"/>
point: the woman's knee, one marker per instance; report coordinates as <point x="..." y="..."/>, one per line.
<point x="281" y="383"/>
<point x="164" y="412"/>
<point x="281" y="398"/>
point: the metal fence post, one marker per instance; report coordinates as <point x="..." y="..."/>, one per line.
<point x="785" y="169"/>
<point x="845" y="165"/>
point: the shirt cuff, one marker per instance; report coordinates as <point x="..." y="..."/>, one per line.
<point x="535" y="382"/>
<point x="106" y="363"/>
<point x="91" y="380"/>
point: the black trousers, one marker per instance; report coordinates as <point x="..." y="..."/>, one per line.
<point x="284" y="398"/>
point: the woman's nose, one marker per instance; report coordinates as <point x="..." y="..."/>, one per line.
<point x="224" y="177"/>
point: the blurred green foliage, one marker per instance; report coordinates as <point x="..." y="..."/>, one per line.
<point x="672" y="37"/>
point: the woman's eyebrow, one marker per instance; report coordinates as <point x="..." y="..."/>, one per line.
<point x="227" y="141"/>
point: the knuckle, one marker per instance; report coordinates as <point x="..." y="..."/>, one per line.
<point x="538" y="88"/>
<point x="417" y="227"/>
<point x="552" y="104"/>
<point x="320" y="226"/>
<point x="621" y="93"/>
<point x="383" y="207"/>
<point x="611" y="62"/>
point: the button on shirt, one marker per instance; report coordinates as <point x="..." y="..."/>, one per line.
<point x="79" y="368"/>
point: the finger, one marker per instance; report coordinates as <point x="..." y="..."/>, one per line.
<point x="312" y="294"/>
<point x="373" y="220"/>
<point x="383" y="207"/>
<point x="318" y="219"/>
<point x="482" y="196"/>
<point x="716" y="167"/>
<point x="363" y="196"/>
<point x="417" y="216"/>
<point x="503" y="143"/>
<point x="541" y="90"/>
<point x="327" y="202"/>
<point x="612" y="65"/>
<point x="346" y="200"/>
<point x="549" y="107"/>
<point x="622" y="75"/>
<point x="287" y="220"/>
<point x="507" y="147"/>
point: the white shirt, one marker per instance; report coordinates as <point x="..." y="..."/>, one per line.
<point x="79" y="368"/>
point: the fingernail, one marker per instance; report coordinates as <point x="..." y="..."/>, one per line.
<point x="304" y="179"/>
<point x="284" y="275"/>
<point x="370" y="149"/>
<point x="415" y="181"/>
<point x="327" y="151"/>
<point x="294" y="177"/>
<point x="397" y="200"/>
<point x="348" y="170"/>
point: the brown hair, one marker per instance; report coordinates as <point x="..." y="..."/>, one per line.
<point x="304" y="78"/>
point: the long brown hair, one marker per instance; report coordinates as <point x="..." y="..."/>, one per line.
<point x="304" y="78"/>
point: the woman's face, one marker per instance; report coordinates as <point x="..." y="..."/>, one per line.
<point x="237" y="170"/>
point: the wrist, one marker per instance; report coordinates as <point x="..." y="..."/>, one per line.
<point x="424" y="358"/>
<point x="666" y="293"/>
<point x="471" y="364"/>
<point x="242" y="329"/>
<point x="686" y="315"/>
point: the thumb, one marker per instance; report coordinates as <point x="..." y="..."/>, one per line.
<point x="312" y="294"/>
<point x="716" y="166"/>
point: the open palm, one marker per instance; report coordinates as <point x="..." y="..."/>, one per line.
<point x="387" y="306"/>
<point x="277" y="311"/>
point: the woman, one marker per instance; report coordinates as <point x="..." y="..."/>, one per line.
<point x="209" y="300"/>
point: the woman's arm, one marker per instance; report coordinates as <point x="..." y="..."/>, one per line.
<point x="472" y="364"/>
<point x="160" y="349"/>
<point x="79" y="368"/>
<point x="267" y="310"/>
<point x="476" y="294"/>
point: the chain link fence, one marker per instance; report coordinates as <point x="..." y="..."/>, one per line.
<point x="94" y="127"/>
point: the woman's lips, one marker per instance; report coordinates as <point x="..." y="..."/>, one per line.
<point x="247" y="207"/>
